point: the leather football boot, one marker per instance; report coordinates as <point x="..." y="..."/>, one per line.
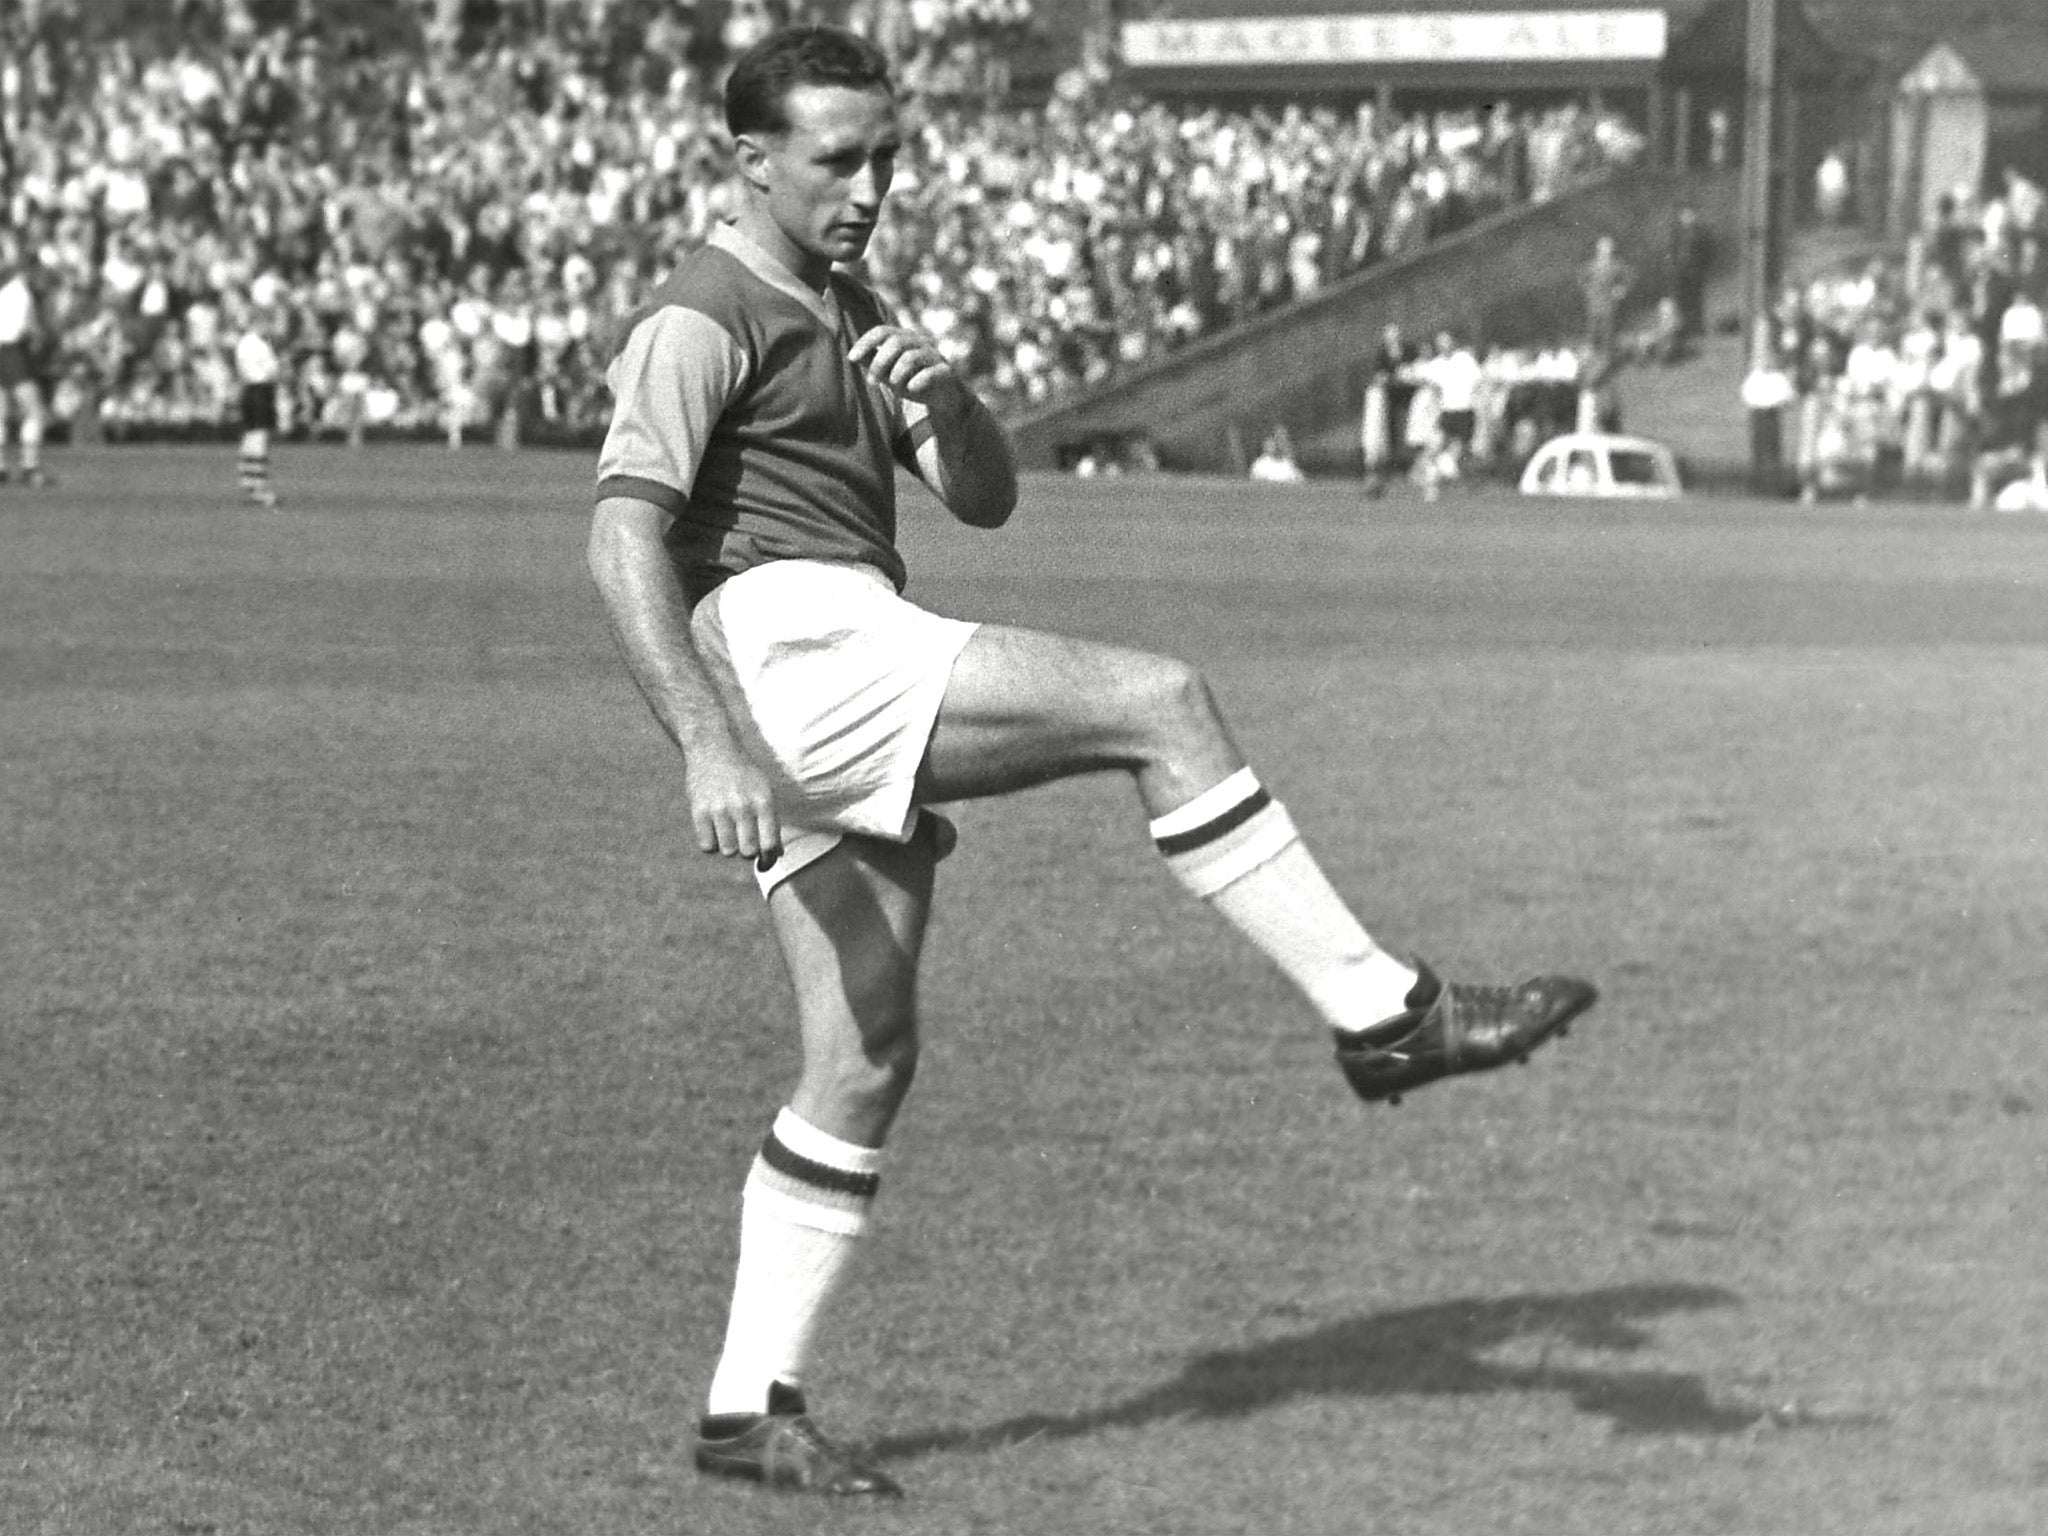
<point x="1451" y="1028"/>
<point x="782" y="1448"/>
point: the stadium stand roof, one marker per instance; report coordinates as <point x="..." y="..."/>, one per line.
<point x="2005" y="40"/>
<point x="2007" y="60"/>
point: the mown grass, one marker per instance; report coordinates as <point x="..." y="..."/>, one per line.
<point x="380" y="1065"/>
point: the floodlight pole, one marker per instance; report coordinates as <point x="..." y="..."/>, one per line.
<point x="1759" y="151"/>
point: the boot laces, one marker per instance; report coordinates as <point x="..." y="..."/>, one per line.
<point x="1487" y="1001"/>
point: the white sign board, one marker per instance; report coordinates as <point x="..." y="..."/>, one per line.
<point x="1514" y="37"/>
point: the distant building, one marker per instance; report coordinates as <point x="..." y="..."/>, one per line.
<point x="1970" y="106"/>
<point x="1948" y="94"/>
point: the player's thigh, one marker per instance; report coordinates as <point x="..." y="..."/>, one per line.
<point x="1024" y="707"/>
<point x="851" y="930"/>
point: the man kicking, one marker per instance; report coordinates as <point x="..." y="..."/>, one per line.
<point x="744" y="545"/>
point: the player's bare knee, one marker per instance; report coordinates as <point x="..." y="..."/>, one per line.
<point x="891" y="1068"/>
<point x="869" y="1072"/>
<point x="1173" y="706"/>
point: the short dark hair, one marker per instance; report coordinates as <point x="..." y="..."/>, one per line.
<point x="757" y="90"/>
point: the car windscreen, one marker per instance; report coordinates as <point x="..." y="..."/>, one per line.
<point x="1632" y="466"/>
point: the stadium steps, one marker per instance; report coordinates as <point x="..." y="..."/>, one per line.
<point x="1694" y="407"/>
<point x="1512" y="278"/>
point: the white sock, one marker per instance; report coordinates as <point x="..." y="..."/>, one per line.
<point x="806" y="1204"/>
<point x="1234" y="846"/>
<point x="254" y="464"/>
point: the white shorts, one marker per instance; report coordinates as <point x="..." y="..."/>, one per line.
<point x="834" y="682"/>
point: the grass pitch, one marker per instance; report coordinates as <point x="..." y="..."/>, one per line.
<point x="380" y="1064"/>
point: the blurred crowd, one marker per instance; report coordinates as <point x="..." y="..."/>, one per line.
<point x="1928" y="372"/>
<point x="1045" y="251"/>
<point x="442" y="238"/>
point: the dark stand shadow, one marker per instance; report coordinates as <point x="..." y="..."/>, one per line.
<point x="1422" y="1351"/>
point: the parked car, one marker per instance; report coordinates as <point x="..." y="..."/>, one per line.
<point x="1602" y="464"/>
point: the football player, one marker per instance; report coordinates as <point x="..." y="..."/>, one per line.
<point x="21" y="395"/>
<point x="744" y="545"/>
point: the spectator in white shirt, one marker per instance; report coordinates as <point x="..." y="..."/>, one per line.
<point x="1276" y="461"/>
<point x="1451" y="377"/>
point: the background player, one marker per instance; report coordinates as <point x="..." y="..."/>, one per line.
<point x="744" y="545"/>
<point x="21" y="396"/>
<point x="258" y="370"/>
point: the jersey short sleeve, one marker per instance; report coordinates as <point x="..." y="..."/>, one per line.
<point x="677" y="372"/>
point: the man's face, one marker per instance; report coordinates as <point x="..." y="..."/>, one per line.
<point x="823" y="181"/>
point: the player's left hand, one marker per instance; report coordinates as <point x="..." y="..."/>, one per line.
<point x="906" y="361"/>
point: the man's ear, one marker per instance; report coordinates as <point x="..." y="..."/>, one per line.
<point x="751" y="153"/>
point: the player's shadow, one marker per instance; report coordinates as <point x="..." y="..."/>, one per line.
<point x="1450" y="1349"/>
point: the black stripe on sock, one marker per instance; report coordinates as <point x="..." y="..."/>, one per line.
<point x="838" y="1181"/>
<point x="1209" y="831"/>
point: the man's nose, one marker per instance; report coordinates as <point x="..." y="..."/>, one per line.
<point x="869" y="185"/>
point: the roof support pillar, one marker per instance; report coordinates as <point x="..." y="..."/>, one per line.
<point x="1759" y="142"/>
